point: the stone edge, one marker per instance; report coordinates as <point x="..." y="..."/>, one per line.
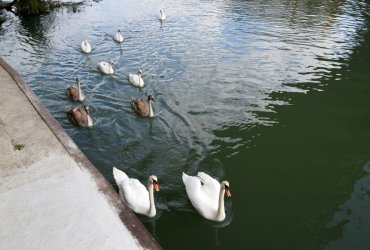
<point x="127" y="217"/>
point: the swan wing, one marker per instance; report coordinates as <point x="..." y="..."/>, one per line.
<point x="85" y="47"/>
<point x="207" y="179"/>
<point x="119" y="176"/>
<point x="102" y="66"/>
<point x="118" y="37"/>
<point x="141" y="106"/>
<point x="72" y="92"/>
<point x="79" y="116"/>
<point x="135" y="195"/>
<point x="210" y="186"/>
<point x="199" y="197"/>
<point x="136" y="80"/>
<point x="133" y="79"/>
<point x="106" y="68"/>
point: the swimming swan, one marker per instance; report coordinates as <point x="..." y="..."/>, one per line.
<point x="136" y="80"/>
<point x="162" y="16"/>
<point x="143" y="108"/>
<point x="106" y="67"/>
<point x="85" y="47"/>
<point x="75" y="92"/>
<point x="80" y="116"/>
<point x="135" y="195"/>
<point x="207" y="195"/>
<point x="118" y="37"/>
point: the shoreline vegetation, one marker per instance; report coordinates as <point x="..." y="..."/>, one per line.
<point x="37" y="7"/>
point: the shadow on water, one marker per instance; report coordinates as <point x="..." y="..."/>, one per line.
<point x="36" y="27"/>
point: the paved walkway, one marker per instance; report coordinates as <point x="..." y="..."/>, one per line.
<point x="51" y="196"/>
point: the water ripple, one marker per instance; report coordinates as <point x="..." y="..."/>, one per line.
<point x="212" y="65"/>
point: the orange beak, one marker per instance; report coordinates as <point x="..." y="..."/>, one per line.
<point x="156" y="187"/>
<point x="228" y="192"/>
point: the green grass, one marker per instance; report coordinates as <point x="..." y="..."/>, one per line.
<point x="18" y="146"/>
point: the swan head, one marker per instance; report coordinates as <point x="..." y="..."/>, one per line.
<point x="110" y="62"/>
<point x="160" y="11"/>
<point x="150" y="98"/>
<point x="226" y="186"/>
<point x="153" y="180"/>
<point x="77" y="79"/>
<point x="140" y="72"/>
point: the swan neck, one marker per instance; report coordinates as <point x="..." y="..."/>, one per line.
<point x="79" y="89"/>
<point x="151" y="112"/>
<point x="89" y="121"/>
<point x="221" y="206"/>
<point x="152" y="210"/>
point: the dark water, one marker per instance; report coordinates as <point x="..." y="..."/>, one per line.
<point x="270" y="95"/>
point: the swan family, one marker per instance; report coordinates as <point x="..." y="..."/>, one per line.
<point x="80" y="115"/>
<point x="205" y="193"/>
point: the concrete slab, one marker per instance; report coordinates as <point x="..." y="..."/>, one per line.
<point x="51" y="196"/>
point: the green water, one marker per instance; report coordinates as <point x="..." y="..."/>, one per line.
<point x="270" y="95"/>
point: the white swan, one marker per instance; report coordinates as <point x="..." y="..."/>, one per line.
<point x="143" y="108"/>
<point x="75" y="92"/>
<point x="106" y="67"/>
<point x="136" y="80"/>
<point x="118" y="37"/>
<point x="134" y="194"/>
<point x="207" y="195"/>
<point x="85" y="47"/>
<point x="162" y="16"/>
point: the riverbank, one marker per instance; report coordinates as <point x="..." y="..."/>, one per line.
<point x="51" y="196"/>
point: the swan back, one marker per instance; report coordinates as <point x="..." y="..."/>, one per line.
<point x="106" y="67"/>
<point x="85" y="47"/>
<point x="80" y="116"/>
<point x="118" y="37"/>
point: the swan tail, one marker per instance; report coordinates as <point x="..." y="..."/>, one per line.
<point x="119" y="175"/>
<point x="133" y="100"/>
<point x="184" y="177"/>
<point x="67" y="109"/>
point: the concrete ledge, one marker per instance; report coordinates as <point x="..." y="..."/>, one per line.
<point x="126" y="216"/>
